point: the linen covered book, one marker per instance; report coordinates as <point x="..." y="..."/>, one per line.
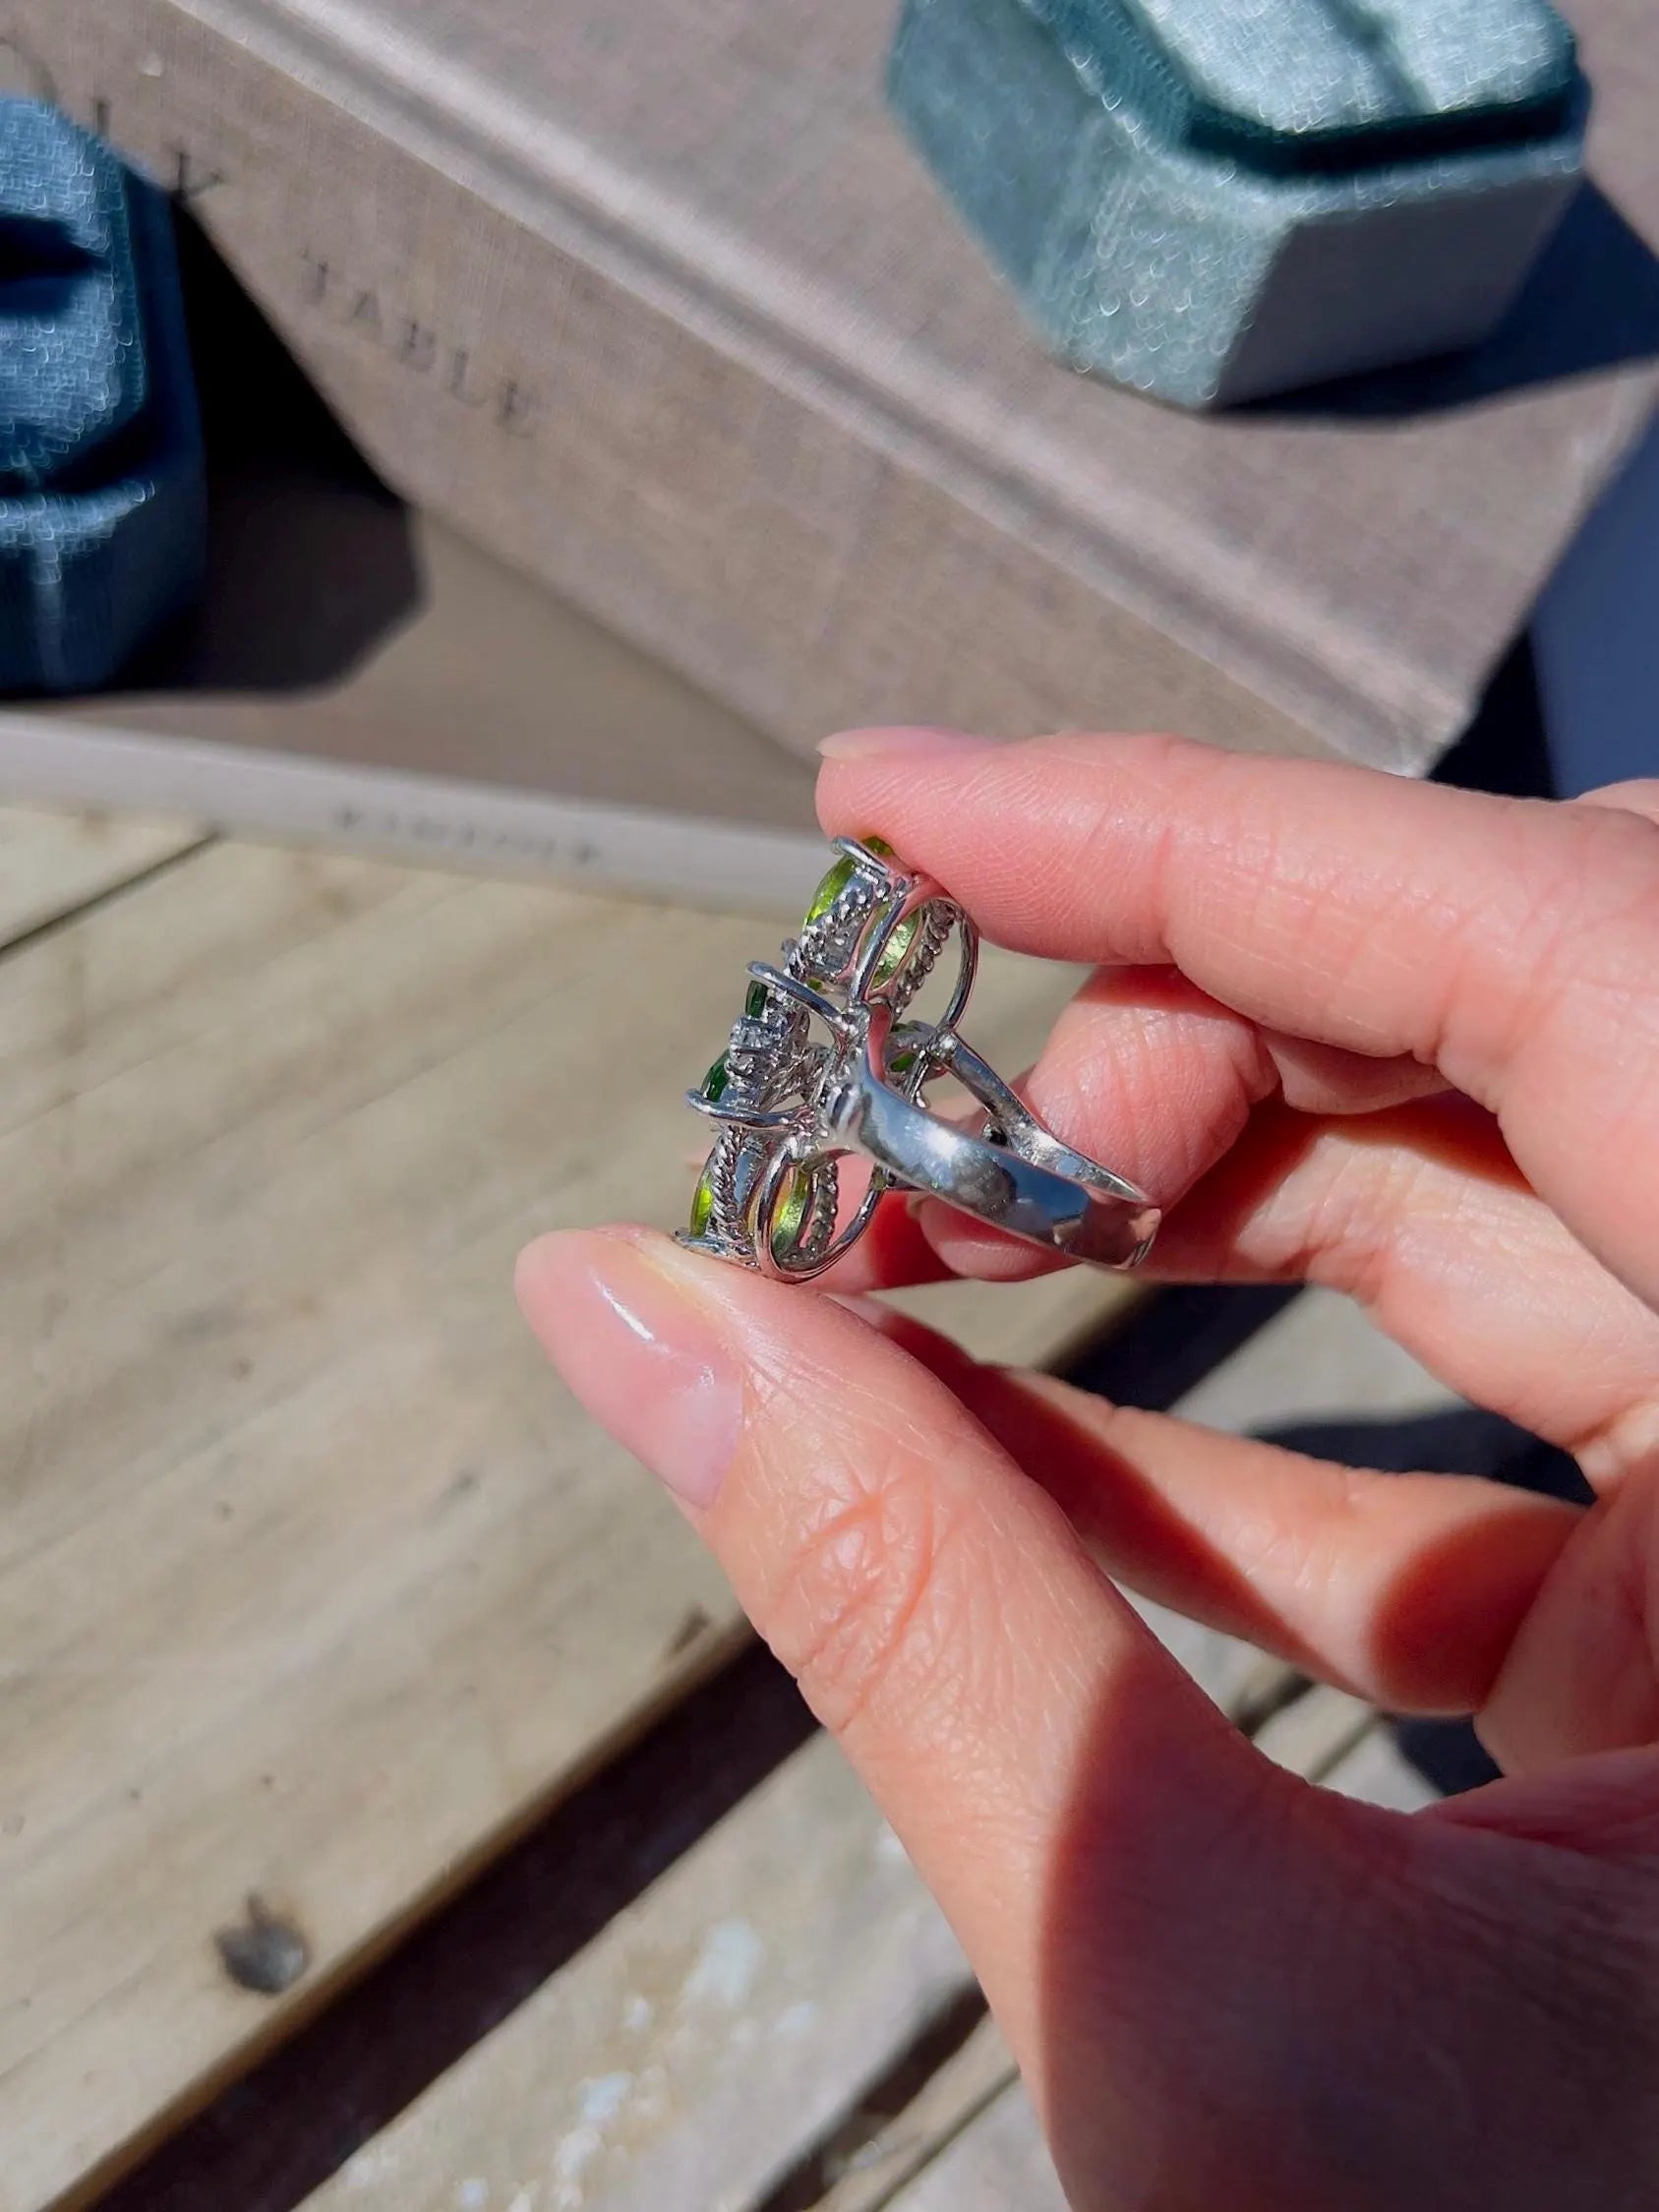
<point x="656" y="303"/>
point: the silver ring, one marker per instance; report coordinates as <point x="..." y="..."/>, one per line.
<point x="821" y="1064"/>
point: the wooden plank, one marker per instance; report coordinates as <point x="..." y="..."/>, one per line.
<point x="710" y="2032"/>
<point x="51" y="864"/>
<point x="968" y="2081"/>
<point x="1320" y="1359"/>
<point x="1375" y="1773"/>
<point x="1315" y="1733"/>
<point x="997" y="2163"/>
<point x="312" y="1584"/>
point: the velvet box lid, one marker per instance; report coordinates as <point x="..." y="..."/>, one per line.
<point x="1218" y="199"/>
<point x="101" y="495"/>
<point x="1310" y="82"/>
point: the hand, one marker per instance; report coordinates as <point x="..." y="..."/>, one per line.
<point x="1391" y="1038"/>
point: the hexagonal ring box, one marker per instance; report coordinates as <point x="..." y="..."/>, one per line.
<point x="1214" y="201"/>
<point x="102" y="518"/>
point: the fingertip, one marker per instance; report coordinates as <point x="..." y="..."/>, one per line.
<point x="547" y="1262"/>
<point x="629" y="1327"/>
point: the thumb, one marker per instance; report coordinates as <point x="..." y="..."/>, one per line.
<point x="1104" y="1845"/>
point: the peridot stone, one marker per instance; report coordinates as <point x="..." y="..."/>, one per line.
<point x="839" y="876"/>
<point x="831" y="888"/>
<point x="702" y="1203"/>
<point x="789" y="1216"/>
<point x="755" y="1003"/>
<point x="897" y="950"/>
<point x="714" y="1083"/>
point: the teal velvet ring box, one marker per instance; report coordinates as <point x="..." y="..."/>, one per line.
<point x="1215" y="201"/>
<point x="101" y="492"/>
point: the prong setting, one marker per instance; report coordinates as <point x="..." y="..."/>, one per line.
<point x="822" y="1063"/>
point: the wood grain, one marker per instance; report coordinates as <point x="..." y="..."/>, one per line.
<point x="967" y="2082"/>
<point x="997" y="2162"/>
<point x="710" y="2033"/>
<point x="52" y="864"/>
<point x="313" y="1586"/>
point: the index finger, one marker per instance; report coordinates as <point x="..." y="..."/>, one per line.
<point x="1514" y="945"/>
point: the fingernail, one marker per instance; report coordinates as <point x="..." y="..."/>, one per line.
<point x="901" y="744"/>
<point x="638" y="1353"/>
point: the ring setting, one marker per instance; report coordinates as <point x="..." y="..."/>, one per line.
<point x="822" y="1063"/>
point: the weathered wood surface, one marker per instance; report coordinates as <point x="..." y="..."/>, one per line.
<point x="1374" y="1772"/>
<point x="313" y="1586"/>
<point x="1319" y="1360"/>
<point x="52" y="864"/>
<point x="997" y="2162"/>
<point x="963" y="2086"/>
<point x="704" y="2040"/>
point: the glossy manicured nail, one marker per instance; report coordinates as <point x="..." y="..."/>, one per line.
<point x="904" y="744"/>
<point x="623" y="1327"/>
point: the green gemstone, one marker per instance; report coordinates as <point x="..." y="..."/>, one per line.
<point x="755" y="1004"/>
<point x="789" y="1216"/>
<point x="702" y="1202"/>
<point x="829" y="890"/>
<point x="714" y="1083"/>
<point x="839" y="876"/>
<point x="897" y="951"/>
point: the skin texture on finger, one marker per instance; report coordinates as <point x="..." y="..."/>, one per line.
<point x="1145" y="1062"/>
<point x="1605" y="1804"/>
<point x="1420" y="1216"/>
<point x="1224" y="1987"/>
<point x="1509" y="944"/>
<point x="1417" y="1213"/>
<point x="1405" y="1588"/>
<point x="1582" y="1673"/>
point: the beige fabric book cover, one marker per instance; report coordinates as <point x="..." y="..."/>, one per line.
<point x="653" y="301"/>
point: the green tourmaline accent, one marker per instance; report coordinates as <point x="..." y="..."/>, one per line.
<point x="702" y="1202"/>
<point x="789" y="1216"/>
<point x="714" y="1083"/>
<point x="840" y="875"/>
<point x="755" y="1004"/>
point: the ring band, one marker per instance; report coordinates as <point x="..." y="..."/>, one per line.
<point x="1014" y="1174"/>
<point x="820" y="1064"/>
